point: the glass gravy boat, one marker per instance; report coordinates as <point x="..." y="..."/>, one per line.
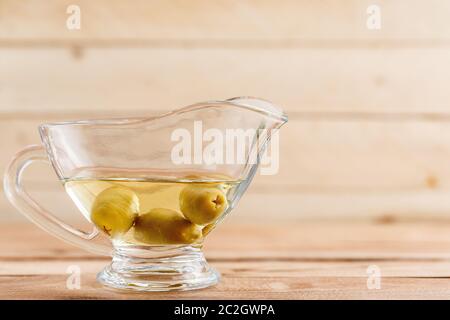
<point x="150" y="185"/>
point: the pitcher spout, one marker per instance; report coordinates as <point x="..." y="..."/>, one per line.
<point x="264" y="107"/>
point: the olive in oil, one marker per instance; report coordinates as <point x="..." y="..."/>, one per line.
<point x="152" y="211"/>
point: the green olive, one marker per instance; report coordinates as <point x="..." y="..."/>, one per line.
<point x="202" y="205"/>
<point x="114" y="210"/>
<point x="165" y="226"/>
<point x="208" y="228"/>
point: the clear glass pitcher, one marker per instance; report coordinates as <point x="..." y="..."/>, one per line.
<point x="154" y="186"/>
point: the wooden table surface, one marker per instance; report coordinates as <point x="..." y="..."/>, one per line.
<point x="278" y="261"/>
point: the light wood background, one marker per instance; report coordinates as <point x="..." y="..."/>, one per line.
<point x="369" y="130"/>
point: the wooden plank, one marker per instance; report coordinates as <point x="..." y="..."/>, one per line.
<point x="34" y="21"/>
<point x="251" y="269"/>
<point x="327" y="261"/>
<point x="340" y="168"/>
<point x="330" y="155"/>
<point x="54" y="287"/>
<point x="239" y="281"/>
<point x="259" y="242"/>
<point x="148" y="80"/>
<point x="301" y="206"/>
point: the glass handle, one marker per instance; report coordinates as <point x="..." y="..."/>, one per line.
<point x="17" y="195"/>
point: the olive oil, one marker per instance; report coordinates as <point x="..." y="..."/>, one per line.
<point x="153" y="211"/>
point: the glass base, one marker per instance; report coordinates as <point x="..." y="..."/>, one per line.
<point x="158" y="269"/>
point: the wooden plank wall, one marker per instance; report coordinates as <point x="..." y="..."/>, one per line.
<point x="369" y="130"/>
